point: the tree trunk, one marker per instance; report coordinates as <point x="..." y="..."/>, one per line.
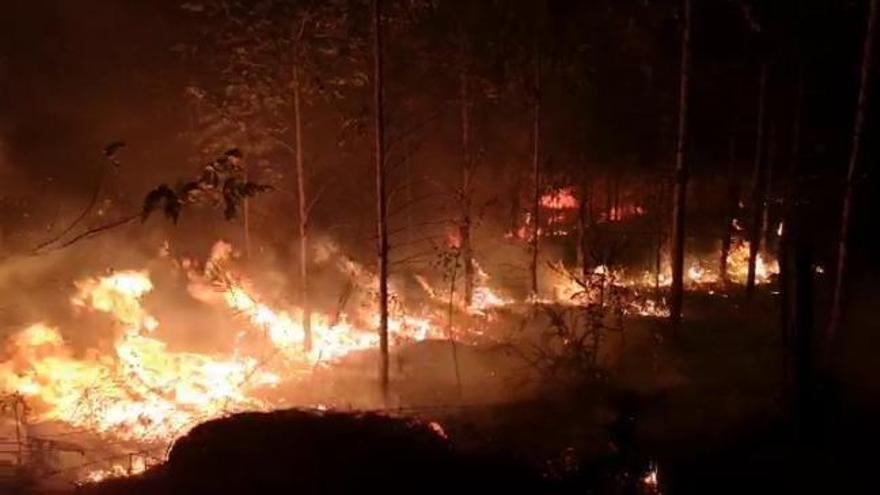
<point x="303" y="216"/>
<point x="768" y="192"/>
<point x="451" y="330"/>
<point x="802" y="326"/>
<point x="851" y="174"/>
<point x="381" y="196"/>
<point x="584" y="223"/>
<point x="536" y="170"/>
<point x="408" y="236"/>
<point x="246" y="216"/>
<point x="733" y="193"/>
<point x="465" y="223"/>
<point x="786" y="257"/>
<point x="757" y="186"/>
<point x="681" y="177"/>
<point x="661" y="213"/>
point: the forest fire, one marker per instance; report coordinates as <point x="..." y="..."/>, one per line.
<point x="132" y="387"/>
<point x="323" y="246"/>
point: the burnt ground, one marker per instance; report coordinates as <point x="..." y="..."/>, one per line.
<point x="705" y="408"/>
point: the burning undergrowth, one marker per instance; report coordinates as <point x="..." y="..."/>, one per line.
<point x="138" y="383"/>
<point x="142" y="354"/>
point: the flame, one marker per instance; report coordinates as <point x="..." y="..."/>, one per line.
<point x="138" y="389"/>
<point x="561" y="199"/>
<point x="133" y="388"/>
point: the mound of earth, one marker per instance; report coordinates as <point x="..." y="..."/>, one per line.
<point x="305" y="452"/>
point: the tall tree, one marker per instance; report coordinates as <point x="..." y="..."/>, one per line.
<point x="465" y="223"/>
<point x="381" y="195"/>
<point x="302" y="202"/>
<point x="536" y="158"/>
<point x="757" y="184"/>
<point x="269" y="62"/>
<point x="852" y="174"/>
<point x="731" y="211"/>
<point x="788" y="292"/>
<point x="681" y="174"/>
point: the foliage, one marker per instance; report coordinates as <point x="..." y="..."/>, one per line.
<point x="221" y="182"/>
<point x="251" y="51"/>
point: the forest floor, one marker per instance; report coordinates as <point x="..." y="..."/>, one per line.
<point x="703" y="410"/>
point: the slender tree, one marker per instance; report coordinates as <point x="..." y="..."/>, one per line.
<point x="246" y="218"/>
<point x="536" y="163"/>
<point x="788" y="300"/>
<point x="757" y="184"/>
<point x="381" y="196"/>
<point x="303" y="213"/>
<point x="681" y="174"/>
<point x="465" y="223"/>
<point x="732" y="208"/>
<point x="767" y="194"/>
<point x="851" y="175"/>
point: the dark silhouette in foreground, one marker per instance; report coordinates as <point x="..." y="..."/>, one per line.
<point x="307" y="452"/>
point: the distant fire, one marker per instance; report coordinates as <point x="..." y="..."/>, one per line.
<point x="561" y="199"/>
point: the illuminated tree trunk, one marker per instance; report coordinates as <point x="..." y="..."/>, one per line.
<point x="661" y="213"/>
<point x="681" y="177"/>
<point x="246" y="214"/>
<point x="733" y="192"/>
<point x="768" y="192"/>
<point x="851" y="174"/>
<point x="584" y="223"/>
<point x="536" y="170"/>
<point x="303" y="217"/>
<point x="381" y="197"/>
<point x="757" y="187"/>
<point x="465" y="224"/>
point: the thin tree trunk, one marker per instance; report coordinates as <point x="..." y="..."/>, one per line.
<point x="757" y="183"/>
<point x="681" y="177"/>
<point x="851" y="174"/>
<point x="802" y="327"/>
<point x="658" y="248"/>
<point x="408" y="237"/>
<point x="584" y="222"/>
<point x="451" y="331"/>
<point x="536" y="170"/>
<point x="768" y="192"/>
<point x="246" y="216"/>
<point x="465" y="223"/>
<point x="381" y="196"/>
<point x="786" y="258"/>
<point x="732" y="208"/>
<point x="303" y="216"/>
